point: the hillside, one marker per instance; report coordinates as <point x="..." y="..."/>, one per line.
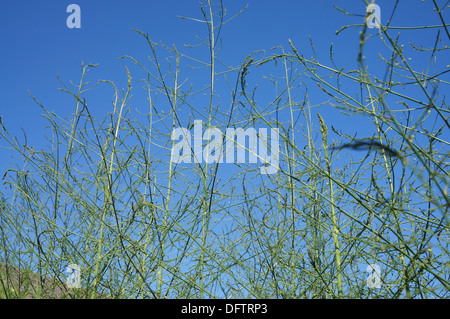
<point x="17" y="283"/>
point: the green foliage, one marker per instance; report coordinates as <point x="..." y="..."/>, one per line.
<point x="105" y="195"/>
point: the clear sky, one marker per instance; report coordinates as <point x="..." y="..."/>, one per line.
<point x="37" y="45"/>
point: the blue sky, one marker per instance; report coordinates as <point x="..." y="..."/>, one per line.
<point x="37" y="46"/>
